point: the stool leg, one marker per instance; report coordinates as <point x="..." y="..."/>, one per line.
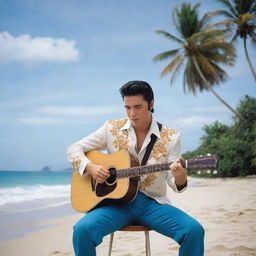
<point x="110" y="243"/>
<point x="148" y="252"/>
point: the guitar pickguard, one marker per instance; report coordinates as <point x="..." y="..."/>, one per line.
<point x="104" y="189"/>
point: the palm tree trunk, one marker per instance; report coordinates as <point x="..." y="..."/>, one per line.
<point x="209" y="87"/>
<point x="248" y="59"/>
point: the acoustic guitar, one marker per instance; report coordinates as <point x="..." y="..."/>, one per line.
<point x="122" y="185"/>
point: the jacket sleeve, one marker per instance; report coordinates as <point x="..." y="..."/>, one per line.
<point x="174" y="155"/>
<point x="76" y="151"/>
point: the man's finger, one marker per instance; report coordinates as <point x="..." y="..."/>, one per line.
<point x="104" y="171"/>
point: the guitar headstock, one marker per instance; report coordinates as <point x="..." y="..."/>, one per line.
<point x="203" y="162"/>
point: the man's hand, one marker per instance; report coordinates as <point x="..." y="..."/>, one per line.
<point x="98" y="172"/>
<point x="179" y="173"/>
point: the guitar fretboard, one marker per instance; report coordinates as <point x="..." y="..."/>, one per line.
<point x="141" y="170"/>
<point x="201" y="163"/>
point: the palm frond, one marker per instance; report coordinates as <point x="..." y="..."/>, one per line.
<point x="166" y="55"/>
<point x="169" y="36"/>
<point x="230" y="7"/>
<point x="211" y="43"/>
<point x="244" y="6"/>
<point x="211" y="71"/>
<point x="224" y="13"/>
<point x="205" y="65"/>
<point x="219" y="52"/>
<point x="171" y="65"/>
<point x="186" y="19"/>
<point x="234" y="38"/>
<point x="191" y="79"/>
<point x="222" y="52"/>
<point x="227" y="49"/>
<point x="196" y="6"/>
<point x="229" y="24"/>
<point x="176" y="70"/>
<point x="187" y="83"/>
<point x="203" y="23"/>
<point x="252" y="8"/>
<point x="203" y="36"/>
<point x="247" y="17"/>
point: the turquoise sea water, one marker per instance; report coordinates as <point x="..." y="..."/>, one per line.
<point x="27" y="178"/>
<point x="23" y="186"/>
<point x="28" y="197"/>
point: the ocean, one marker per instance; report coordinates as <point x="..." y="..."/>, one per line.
<point x="29" y="197"/>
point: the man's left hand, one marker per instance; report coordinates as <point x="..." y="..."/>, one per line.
<point x="179" y="173"/>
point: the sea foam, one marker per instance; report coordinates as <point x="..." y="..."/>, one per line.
<point x="29" y="193"/>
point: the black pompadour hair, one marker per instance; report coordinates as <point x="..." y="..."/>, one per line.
<point x="136" y="87"/>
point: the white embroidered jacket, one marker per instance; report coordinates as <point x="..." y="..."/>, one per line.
<point x="116" y="135"/>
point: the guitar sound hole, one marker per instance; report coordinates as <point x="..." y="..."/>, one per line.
<point x="112" y="178"/>
<point x="108" y="186"/>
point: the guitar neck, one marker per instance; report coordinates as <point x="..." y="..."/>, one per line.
<point x="141" y="170"/>
<point x="199" y="163"/>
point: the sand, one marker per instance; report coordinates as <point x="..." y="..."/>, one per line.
<point x="225" y="207"/>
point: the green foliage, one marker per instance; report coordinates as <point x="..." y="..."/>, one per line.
<point x="186" y="20"/>
<point x="240" y="17"/>
<point x="240" y="20"/>
<point x="197" y="42"/>
<point x="235" y="145"/>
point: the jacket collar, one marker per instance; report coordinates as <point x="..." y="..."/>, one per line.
<point x="153" y="127"/>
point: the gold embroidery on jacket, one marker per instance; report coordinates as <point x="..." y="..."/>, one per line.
<point x="159" y="150"/>
<point x="148" y="181"/>
<point x="76" y="164"/>
<point x="121" y="137"/>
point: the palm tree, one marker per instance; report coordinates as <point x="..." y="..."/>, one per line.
<point x="201" y="49"/>
<point x="241" y="17"/>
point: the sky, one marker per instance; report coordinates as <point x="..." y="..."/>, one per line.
<point x="62" y="63"/>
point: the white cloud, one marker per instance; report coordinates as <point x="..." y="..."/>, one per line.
<point x="39" y="120"/>
<point x="77" y="111"/>
<point x="194" y="121"/>
<point x="46" y="120"/>
<point x="51" y="115"/>
<point x="210" y="109"/>
<point x="27" y="49"/>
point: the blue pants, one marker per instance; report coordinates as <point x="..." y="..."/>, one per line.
<point x="165" y="219"/>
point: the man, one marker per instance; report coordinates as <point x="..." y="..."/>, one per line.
<point x="151" y="207"/>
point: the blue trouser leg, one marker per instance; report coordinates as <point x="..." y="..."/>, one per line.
<point x="90" y="230"/>
<point x="165" y="219"/>
<point x="174" y="223"/>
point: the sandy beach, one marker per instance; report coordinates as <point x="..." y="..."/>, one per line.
<point x="225" y="207"/>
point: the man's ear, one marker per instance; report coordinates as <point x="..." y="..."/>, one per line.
<point x="151" y="105"/>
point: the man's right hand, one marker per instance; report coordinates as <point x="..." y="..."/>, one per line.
<point x="98" y="172"/>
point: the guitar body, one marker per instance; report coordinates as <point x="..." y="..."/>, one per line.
<point x="87" y="195"/>
<point x="122" y="185"/>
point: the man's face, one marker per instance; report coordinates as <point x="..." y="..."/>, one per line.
<point x="137" y="109"/>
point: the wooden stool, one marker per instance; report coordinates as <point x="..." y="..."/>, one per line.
<point x="133" y="228"/>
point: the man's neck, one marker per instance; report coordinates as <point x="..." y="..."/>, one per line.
<point x="144" y="128"/>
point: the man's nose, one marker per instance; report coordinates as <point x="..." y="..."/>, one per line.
<point x="133" y="113"/>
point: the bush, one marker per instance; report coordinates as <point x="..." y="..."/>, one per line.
<point x="235" y="145"/>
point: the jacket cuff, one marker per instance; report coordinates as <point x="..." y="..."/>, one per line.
<point x="181" y="188"/>
<point x="79" y="165"/>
